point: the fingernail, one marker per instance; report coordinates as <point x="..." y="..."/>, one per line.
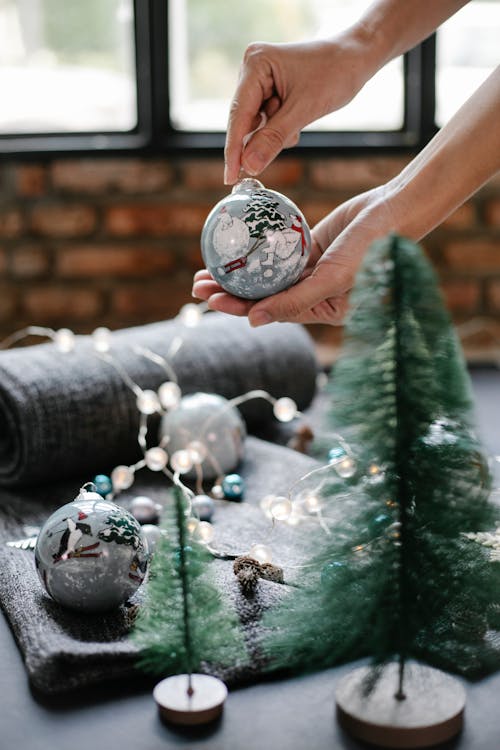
<point x="260" y="318"/>
<point x="254" y="162"/>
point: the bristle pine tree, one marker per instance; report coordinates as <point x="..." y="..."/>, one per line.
<point x="185" y="624"/>
<point x="397" y="577"/>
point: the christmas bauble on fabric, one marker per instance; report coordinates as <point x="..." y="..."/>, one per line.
<point x="90" y="554"/>
<point x="255" y="242"/>
<point x="209" y="429"/>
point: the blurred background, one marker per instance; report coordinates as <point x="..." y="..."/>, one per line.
<point x="112" y="123"/>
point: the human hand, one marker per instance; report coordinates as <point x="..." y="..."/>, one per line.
<point x="292" y="85"/>
<point x="339" y="242"/>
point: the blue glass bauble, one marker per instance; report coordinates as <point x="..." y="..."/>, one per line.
<point x="103" y="484"/>
<point x="233" y="487"/>
<point x="336" y="454"/>
<point x="90" y="554"/>
<point x="255" y="242"/>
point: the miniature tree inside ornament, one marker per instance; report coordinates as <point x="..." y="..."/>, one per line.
<point x="210" y="429"/>
<point x="90" y="554"/>
<point x="398" y="578"/>
<point x="255" y="242"/>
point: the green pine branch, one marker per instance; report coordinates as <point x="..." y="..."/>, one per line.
<point x="185" y="622"/>
<point x="397" y="577"/>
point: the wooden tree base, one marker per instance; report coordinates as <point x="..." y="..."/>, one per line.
<point x="177" y="706"/>
<point x="432" y="711"/>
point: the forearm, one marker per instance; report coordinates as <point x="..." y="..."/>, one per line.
<point x="453" y="166"/>
<point x="391" y="27"/>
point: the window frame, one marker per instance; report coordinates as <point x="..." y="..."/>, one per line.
<point x="154" y="133"/>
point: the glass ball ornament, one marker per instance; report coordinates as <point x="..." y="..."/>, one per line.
<point x="210" y="424"/>
<point x="144" y="510"/>
<point x="233" y="487"/>
<point x="103" y="484"/>
<point x="336" y="454"/>
<point x="203" y="507"/>
<point x="90" y="554"/>
<point x="255" y="241"/>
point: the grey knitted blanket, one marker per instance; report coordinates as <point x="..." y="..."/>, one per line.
<point x="66" y="651"/>
<point x="67" y="414"/>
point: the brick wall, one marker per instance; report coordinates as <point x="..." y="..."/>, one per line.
<point x="87" y="242"/>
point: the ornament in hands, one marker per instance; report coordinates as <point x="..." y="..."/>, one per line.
<point x="255" y="242"/>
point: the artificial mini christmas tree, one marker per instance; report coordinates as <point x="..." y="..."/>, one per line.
<point x="185" y="624"/>
<point x="397" y="578"/>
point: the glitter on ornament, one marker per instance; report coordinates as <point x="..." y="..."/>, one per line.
<point x="255" y="242"/>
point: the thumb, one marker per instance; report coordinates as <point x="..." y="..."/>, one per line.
<point x="267" y="142"/>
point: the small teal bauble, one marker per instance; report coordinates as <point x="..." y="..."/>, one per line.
<point x="103" y="484"/>
<point x="203" y="507"/>
<point x="90" y="554"/>
<point x="233" y="487"/>
<point x="336" y="454"/>
<point x="255" y="242"/>
<point x="210" y="429"/>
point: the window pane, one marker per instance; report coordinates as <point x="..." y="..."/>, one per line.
<point x="67" y="66"/>
<point x="207" y="41"/>
<point x="467" y="52"/>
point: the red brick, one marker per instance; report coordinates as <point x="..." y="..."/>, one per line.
<point x="8" y="303"/>
<point x="156" y="220"/>
<point x="204" y="174"/>
<point x="154" y="300"/>
<point x="473" y="255"/>
<point x="462" y="218"/>
<point x="11" y="223"/>
<point x="355" y="174"/>
<point x="107" y="175"/>
<point x="28" y="261"/>
<point x="3" y="260"/>
<point x="30" y="180"/>
<point x="113" y="260"/>
<point x="60" y="220"/>
<point x="461" y="295"/>
<point x="492" y="213"/>
<point x="493" y="296"/>
<point x="57" y="303"/>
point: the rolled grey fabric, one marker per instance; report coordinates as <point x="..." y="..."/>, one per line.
<point x="63" y="414"/>
<point x="65" y="650"/>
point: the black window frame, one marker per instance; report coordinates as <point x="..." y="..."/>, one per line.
<point x="154" y="133"/>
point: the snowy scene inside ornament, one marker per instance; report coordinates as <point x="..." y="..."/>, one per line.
<point x="90" y="554"/>
<point x="255" y="242"/>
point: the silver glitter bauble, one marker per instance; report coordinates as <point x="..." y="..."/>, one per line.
<point x="209" y="420"/>
<point x="90" y="554"/>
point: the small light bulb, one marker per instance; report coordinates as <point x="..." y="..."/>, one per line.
<point x="101" y="339"/>
<point x="373" y="469"/>
<point x="204" y="532"/>
<point x="192" y="525"/>
<point x="346" y="468"/>
<point x="281" y="508"/>
<point x="217" y="492"/>
<point x="285" y="409"/>
<point x="295" y="516"/>
<point x="181" y="462"/>
<point x="197" y="451"/>
<point x="147" y="402"/>
<point x="265" y="505"/>
<point x="261" y="552"/>
<point x="156" y="458"/>
<point x="122" y="477"/>
<point x="169" y="394"/>
<point x="190" y="314"/>
<point x="313" y="503"/>
<point x="64" y="339"/>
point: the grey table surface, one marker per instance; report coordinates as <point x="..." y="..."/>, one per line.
<point x="296" y="714"/>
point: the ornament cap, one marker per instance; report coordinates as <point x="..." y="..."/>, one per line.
<point x="247" y="185"/>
